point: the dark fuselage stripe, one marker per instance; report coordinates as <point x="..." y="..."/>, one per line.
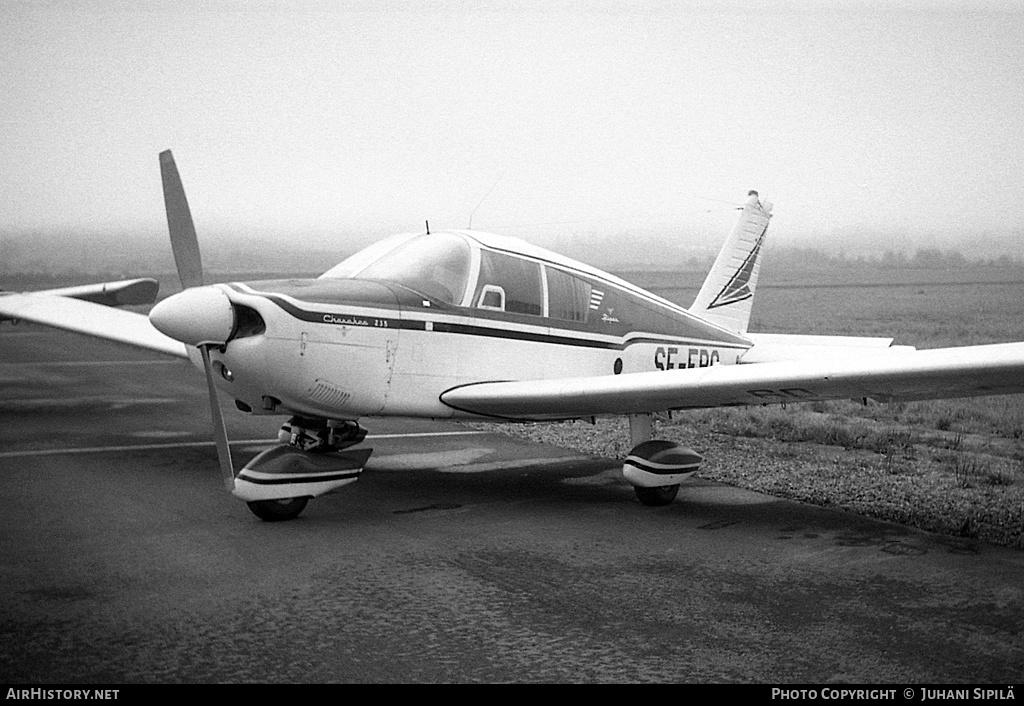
<point x="339" y="319"/>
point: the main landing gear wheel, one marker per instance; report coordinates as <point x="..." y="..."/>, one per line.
<point x="661" y="495"/>
<point x="278" y="510"/>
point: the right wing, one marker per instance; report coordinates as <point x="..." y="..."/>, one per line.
<point x="885" y="376"/>
<point x="92" y="319"/>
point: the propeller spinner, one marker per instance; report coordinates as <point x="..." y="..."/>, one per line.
<point x="201" y="316"/>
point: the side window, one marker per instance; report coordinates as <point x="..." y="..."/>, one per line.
<point x="568" y="296"/>
<point x="509" y="284"/>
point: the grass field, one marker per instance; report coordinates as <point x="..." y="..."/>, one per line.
<point x="951" y="466"/>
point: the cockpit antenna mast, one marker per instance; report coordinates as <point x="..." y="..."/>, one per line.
<point x="500" y="176"/>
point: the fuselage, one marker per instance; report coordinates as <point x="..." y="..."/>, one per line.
<point x="390" y="329"/>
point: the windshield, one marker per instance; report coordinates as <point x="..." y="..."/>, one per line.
<point x="353" y="263"/>
<point x="435" y="265"/>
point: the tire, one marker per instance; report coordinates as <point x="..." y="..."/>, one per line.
<point x="278" y="510"/>
<point x="655" y="497"/>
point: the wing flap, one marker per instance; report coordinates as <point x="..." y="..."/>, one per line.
<point x="909" y="375"/>
<point x="91" y="319"/>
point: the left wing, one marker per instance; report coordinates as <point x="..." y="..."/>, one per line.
<point x="91" y="319"/>
<point x="896" y="375"/>
<point x="122" y="293"/>
<point x="125" y="292"/>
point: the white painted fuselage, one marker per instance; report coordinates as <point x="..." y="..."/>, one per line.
<point x="357" y="343"/>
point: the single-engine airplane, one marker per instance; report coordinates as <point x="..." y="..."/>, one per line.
<point x="470" y="325"/>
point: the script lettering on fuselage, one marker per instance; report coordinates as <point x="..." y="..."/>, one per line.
<point x="340" y="320"/>
<point x="345" y="320"/>
<point x="672" y="357"/>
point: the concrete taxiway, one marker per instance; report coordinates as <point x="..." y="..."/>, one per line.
<point x="457" y="557"/>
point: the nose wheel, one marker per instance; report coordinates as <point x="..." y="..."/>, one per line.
<point x="278" y="483"/>
<point x="278" y="510"/>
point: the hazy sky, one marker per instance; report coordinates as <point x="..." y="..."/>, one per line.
<point x="334" y="117"/>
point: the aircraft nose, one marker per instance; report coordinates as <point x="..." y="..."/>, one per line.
<point x="196" y="316"/>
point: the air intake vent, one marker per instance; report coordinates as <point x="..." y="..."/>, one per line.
<point x="248" y="322"/>
<point x="328" y="393"/>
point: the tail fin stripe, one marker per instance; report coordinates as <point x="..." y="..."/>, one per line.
<point x="738" y="288"/>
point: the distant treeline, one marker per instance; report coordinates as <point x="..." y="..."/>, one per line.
<point x="44" y="257"/>
<point x="922" y="258"/>
<point x="813" y="258"/>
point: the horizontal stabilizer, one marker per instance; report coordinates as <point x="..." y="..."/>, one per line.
<point x="777" y="347"/>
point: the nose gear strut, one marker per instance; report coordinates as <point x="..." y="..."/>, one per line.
<point x="321" y="435"/>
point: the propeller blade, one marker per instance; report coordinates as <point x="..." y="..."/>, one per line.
<point x="220" y="432"/>
<point x="179" y="223"/>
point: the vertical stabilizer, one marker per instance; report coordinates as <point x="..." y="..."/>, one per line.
<point x="727" y="294"/>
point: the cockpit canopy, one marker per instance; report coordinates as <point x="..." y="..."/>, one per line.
<point x="456" y="269"/>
